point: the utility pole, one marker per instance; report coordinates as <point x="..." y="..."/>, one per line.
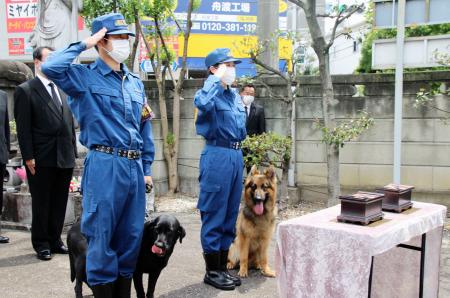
<point x="268" y="18"/>
<point x="399" y="91"/>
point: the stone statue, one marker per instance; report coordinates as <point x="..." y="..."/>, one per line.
<point x="54" y="23"/>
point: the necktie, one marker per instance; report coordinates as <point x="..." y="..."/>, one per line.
<point x="246" y="111"/>
<point x="55" y="95"/>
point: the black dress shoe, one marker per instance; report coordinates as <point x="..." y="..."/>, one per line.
<point x="60" y="250"/>
<point x="44" y="255"/>
<point x="4" y="239"/>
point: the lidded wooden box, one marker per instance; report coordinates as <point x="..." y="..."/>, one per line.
<point x="361" y="207"/>
<point x="397" y="197"/>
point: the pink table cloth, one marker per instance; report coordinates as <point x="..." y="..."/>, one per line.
<point x="318" y="257"/>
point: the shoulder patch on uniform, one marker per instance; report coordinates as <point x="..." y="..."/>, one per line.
<point x="147" y="113"/>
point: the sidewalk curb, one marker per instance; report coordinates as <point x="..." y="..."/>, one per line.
<point x="9" y="225"/>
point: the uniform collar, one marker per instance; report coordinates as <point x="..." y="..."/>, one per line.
<point x="105" y="69"/>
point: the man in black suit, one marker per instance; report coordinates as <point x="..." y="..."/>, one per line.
<point x="256" y="120"/>
<point x="47" y="141"/>
<point x="4" y="149"/>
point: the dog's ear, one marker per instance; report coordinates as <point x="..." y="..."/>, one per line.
<point x="181" y="233"/>
<point x="270" y="173"/>
<point x="153" y="223"/>
<point x="254" y="171"/>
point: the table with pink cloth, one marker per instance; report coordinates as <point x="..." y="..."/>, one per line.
<point x="316" y="256"/>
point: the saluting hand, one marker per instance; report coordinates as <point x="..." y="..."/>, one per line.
<point x="91" y="41"/>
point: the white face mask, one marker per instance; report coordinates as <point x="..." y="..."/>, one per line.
<point x="247" y="99"/>
<point x="120" y="50"/>
<point x="230" y="76"/>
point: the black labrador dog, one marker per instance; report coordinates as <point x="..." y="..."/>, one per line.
<point x="158" y="241"/>
<point x="77" y="245"/>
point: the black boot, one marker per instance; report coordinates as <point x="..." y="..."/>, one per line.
<point x="122" y="287"/>
<point x="223" y="266"/>
<point x="103" y="291"/>
<point x="214" y="276"/>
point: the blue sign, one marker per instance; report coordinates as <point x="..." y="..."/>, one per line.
<point x="225" y="17"/>
<point x="146" y="66"/>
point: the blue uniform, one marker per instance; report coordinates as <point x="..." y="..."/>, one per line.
<point x="220" y="120"/>
<point x="108" y="108"/>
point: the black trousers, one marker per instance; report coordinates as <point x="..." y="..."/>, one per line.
<point x="49" y="188"/>
<point x="2" y="176"/>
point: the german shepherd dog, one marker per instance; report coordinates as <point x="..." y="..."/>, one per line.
<point x="255" y="224"/>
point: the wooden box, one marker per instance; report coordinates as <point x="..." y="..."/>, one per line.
<point x="361" y="207"/>
<point x="397" y="197"/>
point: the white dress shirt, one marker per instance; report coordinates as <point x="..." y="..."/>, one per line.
<point x="46" y="83"/>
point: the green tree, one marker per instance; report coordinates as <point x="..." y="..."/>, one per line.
<point x="163" y="26"/>
<point x="332" y="132"/>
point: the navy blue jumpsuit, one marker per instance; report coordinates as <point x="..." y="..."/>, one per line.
<point x="220" y="120"/>
<point x="108" y="108"/>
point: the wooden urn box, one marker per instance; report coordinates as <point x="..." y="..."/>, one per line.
<point x="361" y="207"/>
<point x="397" y="197"/>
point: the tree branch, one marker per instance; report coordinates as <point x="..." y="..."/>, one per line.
<point x="164" y="46"/>
<point x="333" y="32"/>
<point x="299" y="3"/>
<point x="185" y="45"/>
<point x="339" y="20"/>
<point x="269" y="68"/>
<point x="176" y="21"/>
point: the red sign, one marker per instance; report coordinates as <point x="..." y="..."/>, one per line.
<point x="21" y="15"/>
<point x="16" y="46"/>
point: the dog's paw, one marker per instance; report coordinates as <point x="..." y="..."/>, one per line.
<point x="243" y="273"/>
<point x="230" y="265"/>
<point x="268" y="272"/>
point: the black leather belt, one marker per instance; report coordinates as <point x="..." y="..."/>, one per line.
<point x="130" y="154"/>
<point x="225" y="144"/>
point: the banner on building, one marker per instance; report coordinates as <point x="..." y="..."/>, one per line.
<point x="21" y="15"/>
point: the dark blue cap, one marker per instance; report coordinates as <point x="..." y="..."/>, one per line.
<point x="113" y="22"/>
<point x="220" y="55"/>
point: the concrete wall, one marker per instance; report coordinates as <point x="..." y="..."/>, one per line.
<point x="366" y="163"/>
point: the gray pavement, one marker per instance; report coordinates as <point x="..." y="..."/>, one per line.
<point x="22" y="275"/>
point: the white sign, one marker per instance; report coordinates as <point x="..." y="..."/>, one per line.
<point x="418" y="51"/>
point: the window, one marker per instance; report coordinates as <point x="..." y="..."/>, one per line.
<point x="301" y="53"/>
<point x="416" y="12"/>
<point x="439" y="11"/>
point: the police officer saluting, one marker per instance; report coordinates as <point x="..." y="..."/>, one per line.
<point x="221" y="121"/>
<point x="110" y="104"/>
